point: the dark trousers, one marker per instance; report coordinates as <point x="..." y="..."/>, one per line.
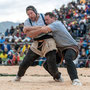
<point x="50" y="65"/>
<point x="31" y="57"/>
<point x="27" y="61"/>
<point x="69" y="56"/>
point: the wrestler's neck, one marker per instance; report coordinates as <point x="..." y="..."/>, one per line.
<point x="37" y="17"/>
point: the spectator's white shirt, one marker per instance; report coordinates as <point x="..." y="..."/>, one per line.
<point x="81" y="6"/>
<point x="82" y="20"/>
<point x="11" y="37"/>
<point x="18" y="38"/>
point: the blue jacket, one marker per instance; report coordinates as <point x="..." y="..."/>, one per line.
<point x="8" y="47"/>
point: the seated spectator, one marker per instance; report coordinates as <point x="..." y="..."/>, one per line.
<point x="68" y="16"/>
<point x="82" y="60"/>
<point x="82" y="29"/>
<point x="19" y="39"/>
<point x="81" y="42"/>
<point x="6" y="47"/>
<point x="9" y="59"/>
<point x="88" y="8"/>
<point x="16" y="46"/>
<point x="21" y="57"/>
<point x="3" y="57"/>
<point x="17" y="32"/>
<point x="20" y="48"/>
<point x="2" y="39"/>
<point x="15" y="59"/>
<point x="12" y="38"/>
<point x="22" y="35"/>
<point x="21" y="27"/>
<point x="12" y="30"/>
<point x="88" y="36"/>
<point x="25" y="48"/>
<point x="7" y="32"/>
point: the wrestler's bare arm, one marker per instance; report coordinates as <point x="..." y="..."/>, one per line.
<point x="33" y="33"/>
<point x="26" y="29"/>
<point x="38" y="31"/>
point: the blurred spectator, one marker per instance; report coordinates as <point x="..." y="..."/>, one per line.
<point x="82" y="60"/>
<point x="15" y="59"/>
<point x="88" y="47"/>
<point x="12" y="30"/>
<point x="16" y="45"/>
<point x="25" y="48"/>
<point x="2" y="39"/>
<point x="9" y="59"/>
<point x="7" y="32"/>
<point x="82" y="29"/>
<point x="21" y="57"/>
<point x="3" y="57"/>
<point x="21" y="27"/>
<point x="68" y="15"/>
<point x="17" y="32"/>
<point x="88" y="8"/>
<point x="81" y="41"/>
<point x="6" y="47"/>
<point x="12" y="38"/>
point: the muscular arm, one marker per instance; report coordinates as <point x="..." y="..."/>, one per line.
<point x="26" y="29"/>
<point x="38" y="31"/>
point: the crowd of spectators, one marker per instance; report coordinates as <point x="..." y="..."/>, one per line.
<point x="75" y="16"/>
<point x="13" y="46"/>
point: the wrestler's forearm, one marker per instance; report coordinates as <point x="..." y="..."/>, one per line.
<point x="46" y="29"/>
<point x="34" y="33"/>
<point x="26" y="29"/>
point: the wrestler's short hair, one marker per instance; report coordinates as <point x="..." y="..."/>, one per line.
<point x="50" y="14"/>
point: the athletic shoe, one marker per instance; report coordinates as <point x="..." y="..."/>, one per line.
<point x="76" y="82"/>
<point x="59" y="80"/>
<point x="17" y="78"/>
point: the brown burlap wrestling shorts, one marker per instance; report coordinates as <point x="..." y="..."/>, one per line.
<point x="46" y="46"/>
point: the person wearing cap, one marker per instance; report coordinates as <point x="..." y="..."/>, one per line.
<point x="67" y="46"/>
<point x="43" y="46"/>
